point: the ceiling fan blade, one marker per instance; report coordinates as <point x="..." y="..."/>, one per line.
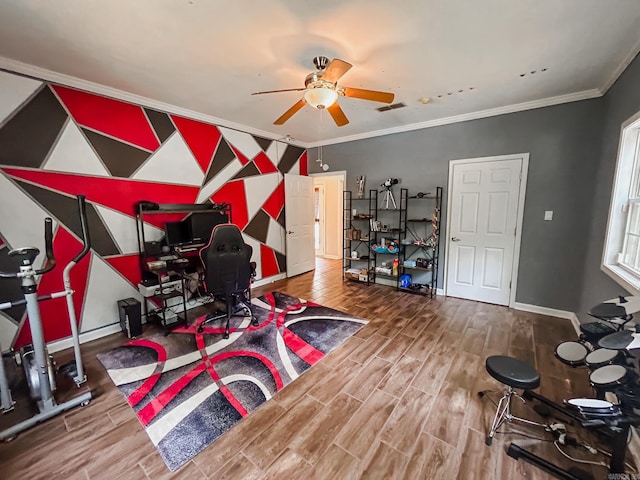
<point x="276" y="91"/>
<point x="289" y="113"/>
<point x="384" y="97"/>
<point x="335" y="70"/>
<point x="338" y="115"/>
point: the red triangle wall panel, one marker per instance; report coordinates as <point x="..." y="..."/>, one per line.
<point x="128" y="266"/>
<point x="275" y="203"/>
<point x="243" y="159"/>
<point x="115" y="193"/>
<point x="202" y="139"/>
<point x="304" y="167"/>
<point x="268" y="262"/>
<point x="117" y="119"/>
<point x="234" y="194"/>
<point x="264" y="164"/>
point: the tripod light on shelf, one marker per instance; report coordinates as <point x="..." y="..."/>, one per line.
<point x="388" y="194"/>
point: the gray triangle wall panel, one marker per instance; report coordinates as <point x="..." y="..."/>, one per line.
<point x="289" y="158"/>
<point x="258" y="227"/>
<point x="282" y="261"/>
<point x="249" y="170"/>
<point x="263" y="142"/>
<point x="26" y="139"/>
<point x="221" y="158"/>
<point x="65" y="209"/>
<point x="162" y="124"/>
<point x="120" y="159"/>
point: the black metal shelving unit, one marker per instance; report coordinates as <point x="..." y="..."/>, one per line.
<point x="422" y="245"/>
<point x="397" y="218"/>
<point x="356" y="236"/>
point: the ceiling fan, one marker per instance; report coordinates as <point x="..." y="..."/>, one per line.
<point x="322" y="91"/>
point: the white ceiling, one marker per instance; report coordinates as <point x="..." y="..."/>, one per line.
<point x="204" y="58"/>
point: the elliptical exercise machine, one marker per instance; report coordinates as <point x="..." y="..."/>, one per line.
<point x="36" y="360"/>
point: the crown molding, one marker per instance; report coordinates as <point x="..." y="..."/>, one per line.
<point x="39" y="73"/>
<point x="622" y="66"/>
<point x="42" y="74"/>
<point x="492" y="112"/>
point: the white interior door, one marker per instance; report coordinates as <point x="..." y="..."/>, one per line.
<point x="483" y="217"/>
<point x="299" y="202"/>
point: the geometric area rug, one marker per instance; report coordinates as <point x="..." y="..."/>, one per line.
<point x="188" y="388"/>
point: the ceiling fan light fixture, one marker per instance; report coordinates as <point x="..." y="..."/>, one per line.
<point x="321" y="97"/>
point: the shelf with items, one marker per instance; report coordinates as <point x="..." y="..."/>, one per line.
<point x="357" y="259"/>
<point x="388" y="231"/>
<point x="170" y="285"/>
<point x="422" y="244"/>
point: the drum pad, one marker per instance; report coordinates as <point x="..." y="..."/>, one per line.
<point x="617" y="341"/>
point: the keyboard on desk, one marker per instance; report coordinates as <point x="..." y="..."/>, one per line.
<point x="178" y="262"/>
<point x="189" y="248"/>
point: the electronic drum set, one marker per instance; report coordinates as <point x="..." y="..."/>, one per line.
<point x="604" y="348"/>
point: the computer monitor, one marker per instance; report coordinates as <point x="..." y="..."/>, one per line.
<point x="177" y="233"/>
<point x="202" y="224"/>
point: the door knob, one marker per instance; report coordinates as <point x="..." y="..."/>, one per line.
<point x="455" y="239"/>
<point x="289" y="232"/>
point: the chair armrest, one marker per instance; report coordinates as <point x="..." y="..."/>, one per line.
<point x="253" y="269"/>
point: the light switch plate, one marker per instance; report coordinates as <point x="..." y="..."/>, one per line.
<point x="548" y="215"/>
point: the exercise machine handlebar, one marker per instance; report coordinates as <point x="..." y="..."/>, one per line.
<point x="48" y="247"/>
<point x="86" y="237"/>
<point x="79" y="376"/>
<point x="48" y="242"/>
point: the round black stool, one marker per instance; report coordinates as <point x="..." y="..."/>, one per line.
<point x="513" y="373"/>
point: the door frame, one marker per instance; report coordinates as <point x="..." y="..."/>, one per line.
<point x="322" y="219"/>
<point x="339" y="213"/>
<point x="520" y="215"/>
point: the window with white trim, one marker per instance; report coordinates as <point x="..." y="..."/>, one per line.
<point x="621" y="255"/>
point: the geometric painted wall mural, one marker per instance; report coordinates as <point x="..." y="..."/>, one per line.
<point x="57" y="142"/>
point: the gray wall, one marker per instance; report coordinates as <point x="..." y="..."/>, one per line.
<point x="564" y="143"/>
<point x="621" y="102"/>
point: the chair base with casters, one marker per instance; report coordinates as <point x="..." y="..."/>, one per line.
<point x="234" y="304"/>
<point x="514" y="374"/>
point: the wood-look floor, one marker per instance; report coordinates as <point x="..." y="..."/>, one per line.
<point x="396" y="401"/>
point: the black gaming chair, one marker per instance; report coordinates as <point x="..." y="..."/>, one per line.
<point x="228" y="273"/>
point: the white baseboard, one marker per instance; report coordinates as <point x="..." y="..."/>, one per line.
<point x="389" y="282"/>
<point x="65" y="343"/>
<point x="576" y="323"/>
<point x="552" y="312"/>
<point x="265" y="281"/>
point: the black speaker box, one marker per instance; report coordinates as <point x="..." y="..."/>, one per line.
<point x="129" y="310"/>
<point x="153" y="248"/>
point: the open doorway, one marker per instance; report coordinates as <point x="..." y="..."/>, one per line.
<point x="328" y="188"/>
<point x="319" y="218"/>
